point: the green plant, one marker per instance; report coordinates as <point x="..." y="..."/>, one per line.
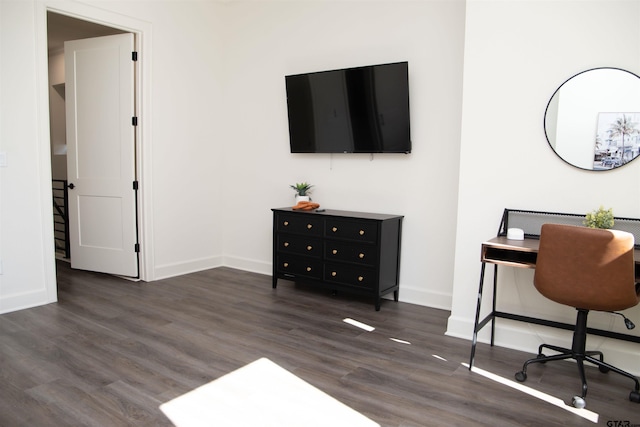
<point x="302" y="188"/>
<point x="599" y="219"/>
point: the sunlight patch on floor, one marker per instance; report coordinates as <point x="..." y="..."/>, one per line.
<point x="368" y="328"/>
<point x="584" y="413"/>
<point x="261" y="394"/>
<point x="360" y="325"/>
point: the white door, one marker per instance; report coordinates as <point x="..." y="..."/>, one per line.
<point x="100" y="106"/>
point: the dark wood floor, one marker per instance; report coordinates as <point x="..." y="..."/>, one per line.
<point x="111" y="351"/>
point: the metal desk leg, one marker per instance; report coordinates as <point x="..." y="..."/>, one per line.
<point x="475" y="325"/>
<point x="493" y="306"/>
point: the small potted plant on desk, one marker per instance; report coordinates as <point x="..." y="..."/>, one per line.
<point x="602" y="218"/>
<point x="302" y="190"/>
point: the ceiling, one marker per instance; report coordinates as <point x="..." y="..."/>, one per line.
<point x="61" y="28"/>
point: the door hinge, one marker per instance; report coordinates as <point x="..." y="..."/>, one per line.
<point x="135" y="185"/>
<point x="137" y="247"/>
<point x="134" y="56"/>
<point x="134" y="121"/>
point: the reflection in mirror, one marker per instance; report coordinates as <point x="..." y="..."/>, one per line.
<point x="592" y="120"/>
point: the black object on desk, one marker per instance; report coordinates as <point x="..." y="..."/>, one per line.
<point x="523" y="254"/>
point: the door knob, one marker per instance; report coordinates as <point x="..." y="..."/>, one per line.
<point x="71" y="186"/>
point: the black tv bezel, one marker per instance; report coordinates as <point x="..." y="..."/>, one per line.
<point x="409" y="143"/>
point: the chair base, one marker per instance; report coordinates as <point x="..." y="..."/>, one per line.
<point x="578" y="353"/>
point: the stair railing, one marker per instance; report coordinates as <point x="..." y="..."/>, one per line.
<point x="61" y="216"/>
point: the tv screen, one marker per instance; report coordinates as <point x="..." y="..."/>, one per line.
<point x="353" y="110"/>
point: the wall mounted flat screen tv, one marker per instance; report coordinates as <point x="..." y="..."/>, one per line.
<point x="352" y="110"/>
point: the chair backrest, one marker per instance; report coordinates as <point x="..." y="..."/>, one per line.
<point x="586" y="268"/>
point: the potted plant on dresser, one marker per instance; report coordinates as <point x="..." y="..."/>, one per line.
<point x="302" y="190"/>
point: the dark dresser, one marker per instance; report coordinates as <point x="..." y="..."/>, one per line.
<point x="354" y="252"/>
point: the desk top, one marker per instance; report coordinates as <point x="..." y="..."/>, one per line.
<point x="523" y="253"/>
<point x="528" y="245"/>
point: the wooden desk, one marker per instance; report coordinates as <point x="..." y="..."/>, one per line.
<point x="523" y="254"/>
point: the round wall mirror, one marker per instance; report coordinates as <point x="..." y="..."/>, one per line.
<point x="592" y="120"/>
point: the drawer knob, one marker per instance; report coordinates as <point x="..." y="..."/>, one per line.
<point x="335" y="251"/>
<point x="334" y="229"/>
<point x="309" y="226"/>
<point x="285" y="265"/>
<point x="361" y="256"/>
<point x="308" y="268"/>
<point x="285" y="223"/>
<point x="360" y="278"/>
<point x="334" y="274"/>
<point x="309" y="247"/>
<point x="286" y="244"/>
<point x="362" y="232"/>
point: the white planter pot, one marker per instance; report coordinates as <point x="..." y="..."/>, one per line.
<point x="302" y="199"/>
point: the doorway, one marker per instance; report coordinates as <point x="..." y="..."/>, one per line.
<point x="61" y="27"/>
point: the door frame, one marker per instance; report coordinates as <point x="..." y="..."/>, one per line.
<point x="142" y="33"/>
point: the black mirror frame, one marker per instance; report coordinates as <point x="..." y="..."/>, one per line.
<point x="544" y="119"/>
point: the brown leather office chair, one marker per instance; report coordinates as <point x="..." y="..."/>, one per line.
<point x="589" y="269"/>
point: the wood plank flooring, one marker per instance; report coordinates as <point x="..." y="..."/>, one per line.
<point x="111" y="351"/>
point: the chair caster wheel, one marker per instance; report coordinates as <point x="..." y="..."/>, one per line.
<point x="603" y="369"/>
<point x="634" y="396"/>
<point x="521" y="376"/>
<point x="578" y="402"/>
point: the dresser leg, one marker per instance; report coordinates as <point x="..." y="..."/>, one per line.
<point x="395" y="295"/>
<point x="275" y="282"/>
<point x="378" y="304"/>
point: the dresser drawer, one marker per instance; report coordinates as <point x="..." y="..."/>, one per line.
<point x="299" y="245"/>
<point x="300" y="224"/>
<point x="293" y="266"/>
<point x="361" y="231"/>
<point x="362" y="254"/>
<point x="350" y="275"/>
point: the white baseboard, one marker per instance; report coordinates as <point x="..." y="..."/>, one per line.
<point x="15" y="302"/>
<point x="250" y="265"/>
<point x="527" y="337"/>
<point x="408" y="293"/>
<point x="180" y="268"/>
<point x="423" y="297"/>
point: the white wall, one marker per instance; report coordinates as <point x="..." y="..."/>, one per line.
<point x="180" y="119"/>
<point x="187" y="115"/>
<point x="516" y="55"/>
<point x="26" y="232"/>
<point x="215" y="148"/>
<point x="269" y="40"/>
<point x="216" y="138"/>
